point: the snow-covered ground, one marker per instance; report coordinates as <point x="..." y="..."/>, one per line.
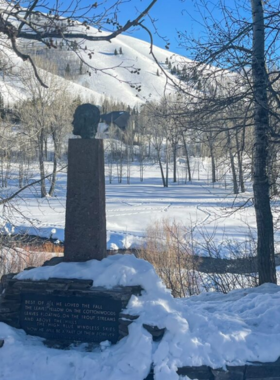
<point x="211" y="329"/>
<point x="132" y="208"/>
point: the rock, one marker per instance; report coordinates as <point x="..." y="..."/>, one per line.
<point x="57" y="290"/>
<point x="53" y="261"/>
<point x="156" y="332"/>
<point x="220" y="374"/>
<point x="150" y="376"/>
<point x="198" y="373"/>
<point x="262" y="371"/>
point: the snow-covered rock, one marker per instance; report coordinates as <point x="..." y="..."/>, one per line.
<point x="211" y="329"/>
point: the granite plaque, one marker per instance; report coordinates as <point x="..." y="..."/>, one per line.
<point x="76" y="319"/>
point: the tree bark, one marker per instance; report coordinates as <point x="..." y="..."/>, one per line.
<point x="240" y="160"/>
<point x="174" y="161"/>
<point x="166" y="164"/>
<point x="213" y="165"/>
<point x="187" y="157"/>
<point x="41" y="164"/>
<point x="161" y="168"/>
<point x="53" y="180"/>
<point x="265" y="248"/>
<point x="233" y="171"/>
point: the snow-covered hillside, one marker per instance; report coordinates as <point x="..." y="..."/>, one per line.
<point x="108" y="74"/>
<point x="136" y="55"/>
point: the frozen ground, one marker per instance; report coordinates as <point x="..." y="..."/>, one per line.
<point x="132" y="208"/>
<point x="211" y="329"/>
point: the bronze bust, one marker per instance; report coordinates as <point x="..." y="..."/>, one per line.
<point x="85" y="122"/>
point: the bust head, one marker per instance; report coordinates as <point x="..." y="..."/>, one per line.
<point x="85" y="121"/>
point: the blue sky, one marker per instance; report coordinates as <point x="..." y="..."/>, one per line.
<point x="170" y="15"/>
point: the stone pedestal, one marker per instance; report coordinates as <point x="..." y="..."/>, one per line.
<point x="85" y="226"/>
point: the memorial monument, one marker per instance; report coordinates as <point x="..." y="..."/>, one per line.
<point x="71" y="310"/>
<point x="85" y="226"/>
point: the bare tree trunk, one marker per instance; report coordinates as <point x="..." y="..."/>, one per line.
<point x="7" y="168"/>
<point x="46" y="148"/>
<point x="272" y="171"/>
<point x="240" y="160"/>
<point x="265" y="248"/>
<point x="174" y="162"/>
<point x="41" y="164"/>
<point x="20" y="169"/>
<point x="128" y="164"/>
<point x="161" y="168"/>
<point x="141" y="157"/>
<point x="187" y="157"/>
<point x="213" y="164"/>
<point x="54" y="173"/>
<point x="166" y="164"/>
<point x="234" y="178"/>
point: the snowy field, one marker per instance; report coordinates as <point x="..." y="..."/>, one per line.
<point x="131" y="208"/>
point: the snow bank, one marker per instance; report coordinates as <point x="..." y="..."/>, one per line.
<point x="117" y="270"/>
<point x="212" y="329"/>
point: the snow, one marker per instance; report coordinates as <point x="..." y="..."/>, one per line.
<point x="117" y="270"/>
<point x="210" y="329"/>
<point x="13" y="90"/>
<point x="132" y="208"/>
<point x="111" y="76"/>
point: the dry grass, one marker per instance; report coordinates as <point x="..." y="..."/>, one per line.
<point x="16" y="258"/>
<point x="167" y="250"/>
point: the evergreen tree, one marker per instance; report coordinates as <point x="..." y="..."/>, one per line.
<point x="194" y="75"/>
<point x="166" y="61"/>
<point x="157" y="72"/>
<point x="169" y="65"/>
<point x="184" y="73"/>
<point x="74" y="45"/>
<point x="67" y="70"/>
<point x="81" y="68"/>
<point x="120" y="51"/>
<point x="115" y="52"/>
<point x="2" y="108"/>
<point x="173" y="70"/>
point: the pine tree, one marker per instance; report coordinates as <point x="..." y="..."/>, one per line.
<point x="169" y="65"/>
<point x="120" y="51"/>
<point x="173" y="70"/>
<point x="81" y="68"/>
<point x="166" y="61"/>
<point x="115" y="52"/>
<point x="67" y="70"/>
<point x="157" y="72"/>
<point x="194" y="75"/>
<point x="184" y="73"/>
<point x="74" y="45"/>
<point x="2" y="109"/>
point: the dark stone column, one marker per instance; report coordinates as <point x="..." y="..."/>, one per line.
<point x="85" y="226"/>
